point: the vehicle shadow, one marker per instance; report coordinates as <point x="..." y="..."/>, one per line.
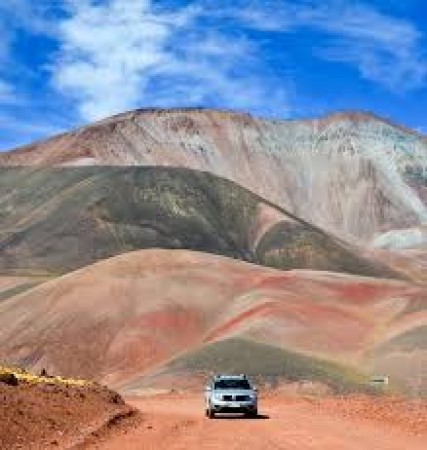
<point x="241" y="417"/>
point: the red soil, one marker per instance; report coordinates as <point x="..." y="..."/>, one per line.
<point x="36" y="416"/>
<point x="354" y="423"/>
<point x="52" y="416"/>
<point x="122" y="318"/>
<point x="263" y="310"/>
<point x="407" y="415"/>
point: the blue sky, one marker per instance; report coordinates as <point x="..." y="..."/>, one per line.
<point x="64" y="63"/>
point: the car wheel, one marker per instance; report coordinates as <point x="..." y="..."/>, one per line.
<point x="252" y="414"/>
<point x="211" y="413"/>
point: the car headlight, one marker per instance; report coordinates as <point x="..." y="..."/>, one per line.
<point x="217" y="397"/>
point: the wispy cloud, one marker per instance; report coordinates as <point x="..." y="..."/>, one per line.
<point x="24" y="112"/>
<point x="15" y="131"/>
<point x="384" y="49"/>
<point x="94" y="58"/>
<point x="33" y="127"/>
<point x="105" y="51"/>
<point x="118" y="55"/>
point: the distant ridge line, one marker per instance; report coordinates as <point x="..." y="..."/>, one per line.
<point x="351" y="115"/>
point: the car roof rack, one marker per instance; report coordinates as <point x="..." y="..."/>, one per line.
<point x="230" y="375"/>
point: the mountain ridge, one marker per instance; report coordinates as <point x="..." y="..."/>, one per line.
<point x="355" y="176"/>
<point x="353" y="115"/>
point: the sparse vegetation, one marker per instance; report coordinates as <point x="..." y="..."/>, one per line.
<point x="19" y="374"/>
<point x="8" y="378"/>
<point x="408" y="341"/>
<point x="16" y="290"/>
<point x="290" y="246"/>
<point x="54" y="412"/>
<point x="64" y="218"/>
<point x="268" y="363"/>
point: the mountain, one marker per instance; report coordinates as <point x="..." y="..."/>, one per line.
<point x="172" y="314"/>
<point x="58" y="219"/>
<point x="352" y="174"/>
<point x="144" y="249"/>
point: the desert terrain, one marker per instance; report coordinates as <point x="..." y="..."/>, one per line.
<point x="50" y="415"/>
<point x="39" y="412"/>
<point x="150" y="250"/>
<point x="286" y="422"/>
<point x="146" y="317"/>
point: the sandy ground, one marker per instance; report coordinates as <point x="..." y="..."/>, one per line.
<point x="177" y="422"/>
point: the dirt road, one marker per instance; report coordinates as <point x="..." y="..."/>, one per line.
<point x="177" y="422"/>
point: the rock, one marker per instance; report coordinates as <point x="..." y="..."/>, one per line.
<point x="9" y="379"/>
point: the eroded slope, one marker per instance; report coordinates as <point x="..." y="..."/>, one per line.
<point x="59" y="219"/>
<point x="122" y="320"/>
<point x="352" y="174"/>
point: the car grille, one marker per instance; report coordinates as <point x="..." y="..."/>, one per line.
<point x="237" y="398"/>
<point x="242" y="398"/>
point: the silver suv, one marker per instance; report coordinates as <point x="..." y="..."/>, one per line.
<point x="231" y="394"/>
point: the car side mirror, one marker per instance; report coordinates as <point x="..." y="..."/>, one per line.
<point x="255" y="389"/>
<point x="208" y="388"/>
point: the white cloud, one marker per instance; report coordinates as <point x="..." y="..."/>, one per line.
<point x="118" y="55"/>
<point x="106" y="49"/>
<point x="383" y="48"/>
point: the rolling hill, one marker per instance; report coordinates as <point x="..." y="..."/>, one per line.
<point x="153" y="313"/>
<point x="53" y="220"/>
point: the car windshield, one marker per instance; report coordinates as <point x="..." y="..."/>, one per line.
<point x="232" y="384"/>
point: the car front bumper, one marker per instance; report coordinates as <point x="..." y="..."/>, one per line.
<point x="233" y="407"/>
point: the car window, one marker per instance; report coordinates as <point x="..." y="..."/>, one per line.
<point x="232" y="384"/>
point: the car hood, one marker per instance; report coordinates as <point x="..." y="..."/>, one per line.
<point x="233" y="392"/>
